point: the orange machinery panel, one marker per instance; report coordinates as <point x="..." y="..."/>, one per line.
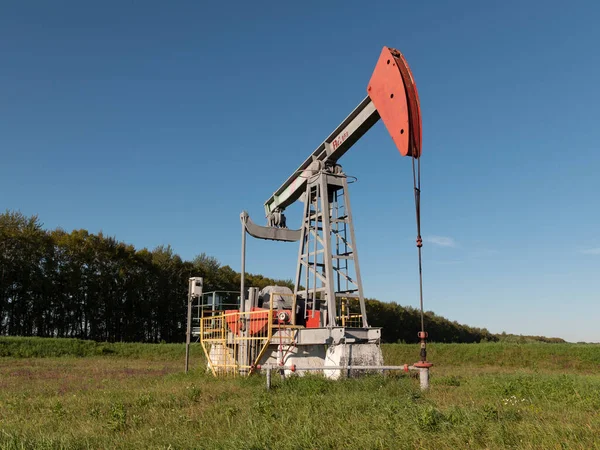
<point x="313" y="321"/>
<point x="259" y="319"/>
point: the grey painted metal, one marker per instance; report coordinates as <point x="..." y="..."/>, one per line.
<point x="335" y="229"/>
<point x="243" y="269"/>
<point x="424" y="378"/>
<point x="332" y="336"/>
<point x="327" y="261"/>
<point x="315" y="244"/>
<point x="269" y="233"/>
<point x="350" y="224"/>
<point x="299" y="267"/>
<point x="328" y="216"/>
<point x="351" y="367"/>
<point x="253" y="296"/>
<point x="188" y="334"/>
<point x="331" y="150"/>
<point x="317" y="187"/>
<point x="244" y="348"/>
<point x="268" y="378"/>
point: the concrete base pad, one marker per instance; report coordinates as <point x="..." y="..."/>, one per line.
<point x="318" y="356"/>
<point x="352" y="355"/>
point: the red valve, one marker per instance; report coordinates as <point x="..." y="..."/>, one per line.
<point x="423" y="365"/>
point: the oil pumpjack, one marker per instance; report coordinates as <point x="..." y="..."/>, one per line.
<point x="313" y="327"/>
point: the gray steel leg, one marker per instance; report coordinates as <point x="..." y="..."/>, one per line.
<point x="327" y="257"/>
<point x="243" y="270"/>
<point x="268" y="378"/>
<point x="361" y="298"/>
<point x="424" y="378"/>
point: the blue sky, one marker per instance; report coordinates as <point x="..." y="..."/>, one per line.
<point x="159" y="123"/>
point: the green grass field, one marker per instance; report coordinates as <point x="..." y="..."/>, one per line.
<point x="74" y="394"/>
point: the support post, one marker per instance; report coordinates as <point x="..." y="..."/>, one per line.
<point x="243" y="269"/>
<point x="304" y="239"/>
<point x="326" y="225"/>
<point x="195" y="286"/>
<point x="188" y="334"/>
<point x="361" y="297"/>
<point x="268" y="378"/>
<point x="424" y="378"/>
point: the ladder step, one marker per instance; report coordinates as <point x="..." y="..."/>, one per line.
<point x="340" y="219"/>
<point x="318" y="252"/>
<point x="320" y="289"/>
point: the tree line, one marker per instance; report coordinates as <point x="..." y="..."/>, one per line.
<point x="78" y="284"/>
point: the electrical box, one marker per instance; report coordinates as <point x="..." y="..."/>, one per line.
<point x="196" y="284"/>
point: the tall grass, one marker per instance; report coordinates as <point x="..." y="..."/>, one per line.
<point x="71" y="394"/>
<point x="195" y="410"/>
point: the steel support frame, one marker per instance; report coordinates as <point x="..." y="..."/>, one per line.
<point x="318" y="265"/>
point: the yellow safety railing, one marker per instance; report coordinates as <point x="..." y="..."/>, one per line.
<point x="348" y="319"/>
<point x="234" y="342"/>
